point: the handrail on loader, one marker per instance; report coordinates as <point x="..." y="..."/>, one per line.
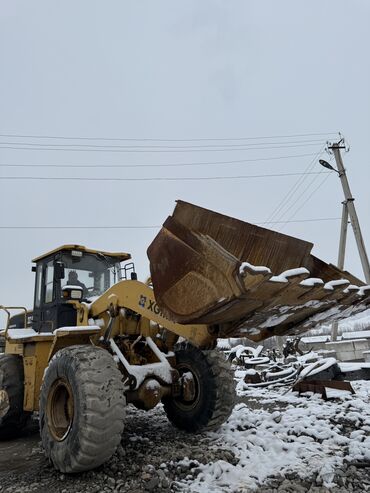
<point x="7" y="310"/>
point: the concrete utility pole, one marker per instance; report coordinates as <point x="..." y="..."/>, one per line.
<point x="343" y="236"/>
<point x="341" y="255"/>
<point x="351" y="211"/>
<point x="347" y="210"/>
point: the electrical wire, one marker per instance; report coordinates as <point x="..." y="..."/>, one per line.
<point x="186" y="178"/>
<point x="305" y="202"/>
<point x="4" y="146"/>
<point x="206" y="163"/>
<point x="128" y="139"/>
<point x="153" y="227"/>
<point x="300" y="196"/>
<point x="293" y="190"/>
<point x="152" y="146"/>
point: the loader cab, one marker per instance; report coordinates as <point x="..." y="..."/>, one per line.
<point x="71" y="272"/>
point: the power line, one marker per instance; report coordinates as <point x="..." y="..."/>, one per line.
<point x="305" y="202"/>
<point x="128" y="139"/>
<point x="296" y="186"/>
<point x="287" y="197"/>
<point x="206" y="163"/>
<point x="301" y="195"/>
<point x="4" y="146"/>
<point x="155" y="227"/>
<point x="305" y="220"/>
<point x="152" y="146"/>
<point x="186" y="178"/>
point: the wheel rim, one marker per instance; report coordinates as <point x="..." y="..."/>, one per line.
<point x="60" y="409"/>
<point x="189" y="403"/>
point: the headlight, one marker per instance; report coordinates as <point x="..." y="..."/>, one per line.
<point x="72" y="292"/>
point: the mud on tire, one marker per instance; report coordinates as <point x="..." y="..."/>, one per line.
<point x="12" y="417"/>
<point x="82" y="408"/>
<point x="215" y="390"/>
<point x="2" y="344"/>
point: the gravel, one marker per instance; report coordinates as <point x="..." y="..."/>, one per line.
<point x="153" y="456"/>
<point x="156" y="457"/>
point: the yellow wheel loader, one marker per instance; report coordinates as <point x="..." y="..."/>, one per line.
<point x="97" y="339"/>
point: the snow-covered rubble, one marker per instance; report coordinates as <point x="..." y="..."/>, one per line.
<point x="277" y="433"/>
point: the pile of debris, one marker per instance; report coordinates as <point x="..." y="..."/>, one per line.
<point x="301" y="372"/>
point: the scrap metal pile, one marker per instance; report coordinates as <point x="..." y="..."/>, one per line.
<point x="263" y="368"/>
<point x="303" y="372"/>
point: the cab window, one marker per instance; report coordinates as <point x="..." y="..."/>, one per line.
<point x="94" y="273"/>
<point x="38" y="285"/>
<point x="49" y="282"/>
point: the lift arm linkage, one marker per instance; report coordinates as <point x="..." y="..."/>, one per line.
<point x="138" y="297"/>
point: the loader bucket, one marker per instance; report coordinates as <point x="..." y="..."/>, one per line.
<point x="244" y="280"/>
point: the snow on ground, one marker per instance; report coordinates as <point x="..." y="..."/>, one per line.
<point x="275" y="432"/>
<point x="273" y="440"/>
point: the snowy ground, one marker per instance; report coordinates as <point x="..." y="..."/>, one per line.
<point x="274" y="441"/>
<point x="279" y="434"/>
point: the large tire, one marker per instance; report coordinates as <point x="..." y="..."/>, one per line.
<point x="214" y="396"/>
<point x="82" y="408"/>
<point x="12" y="417"/>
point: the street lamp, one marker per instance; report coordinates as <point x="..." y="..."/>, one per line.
<point x="328" y="165"/>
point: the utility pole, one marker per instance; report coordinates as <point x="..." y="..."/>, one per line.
<point x="341" y="255"/>
<point x="351" y="211"/>
<point x="347" y="210"/>
<point x="343" y="236"/>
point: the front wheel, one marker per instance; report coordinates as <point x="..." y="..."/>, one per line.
<point x="212" y="395"/>
<point x="12" y="417"/>
<point x="82" y="406"/>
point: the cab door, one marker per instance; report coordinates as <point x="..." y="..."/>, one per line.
<point x="50" y="310"/>
<point x="37" y="317"/>
<point x="45" y="303"/>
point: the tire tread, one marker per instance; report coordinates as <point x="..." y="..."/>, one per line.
<point x="221" y="400"/>
<point x="103" y="409"/>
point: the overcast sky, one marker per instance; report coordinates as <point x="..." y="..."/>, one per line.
<point x="177" y="70"/>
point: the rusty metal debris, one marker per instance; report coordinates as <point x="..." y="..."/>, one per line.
<point x="261" y="370"/>
<point x="291" y="348"/>
<point x="321" y="376"/>
<point x="307" y="373"/>
<point x="323" y="387"/>
<point x="252" y="378"/>
<point x="274" y="375"/>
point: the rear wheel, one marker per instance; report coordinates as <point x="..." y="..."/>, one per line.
<point x="82" y="407"/>
<point x="211" y="398"/>
<point x="12" y="417"/>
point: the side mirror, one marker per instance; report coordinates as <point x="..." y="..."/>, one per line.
<point x="59" y="270"/>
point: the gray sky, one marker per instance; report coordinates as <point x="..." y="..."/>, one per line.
<point x="177" y="70"/>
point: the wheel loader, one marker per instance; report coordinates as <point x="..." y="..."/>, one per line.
<point x="98" y="339"/>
